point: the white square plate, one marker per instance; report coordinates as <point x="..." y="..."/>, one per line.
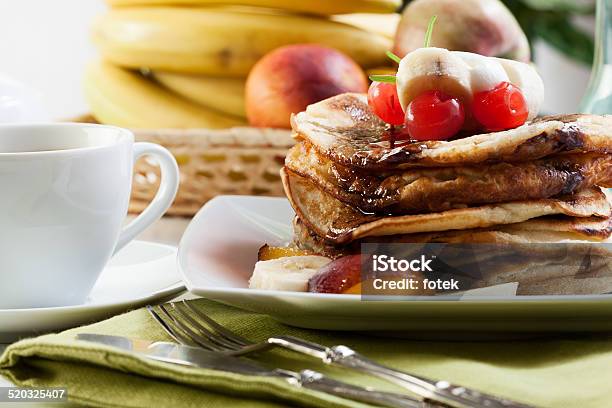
<point x="219" y="249"/>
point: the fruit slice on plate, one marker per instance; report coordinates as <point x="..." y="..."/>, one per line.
<point x="349" y="275"/>
<point x="288" y="273"/>
<point x="338" y="276"/>
<point x="267" y="252"/>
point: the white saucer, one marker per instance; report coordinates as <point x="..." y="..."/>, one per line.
<point x="141" y="273"/>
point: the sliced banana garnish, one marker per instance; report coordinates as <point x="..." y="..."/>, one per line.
<point x="432" y="68"/>
<point x="485" y="73"/>
<point x="290" y="273"/>
<point x="461" y="74"/>
<point x="529" y="82"/>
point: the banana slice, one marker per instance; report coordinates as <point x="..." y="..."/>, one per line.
<point x="485" y="73"/>
<point x="289" y="273"/>
<point x="433" y="68"/>
<point x="462" y="74"/>
<point x="528" y="80"/>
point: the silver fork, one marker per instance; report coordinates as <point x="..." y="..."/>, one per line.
<point x="185" y="330"/>
<point x="434" y="391"/>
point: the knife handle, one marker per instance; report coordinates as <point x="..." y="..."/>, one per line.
<point x="317" y="381"/>
<point x="439" y="391"/>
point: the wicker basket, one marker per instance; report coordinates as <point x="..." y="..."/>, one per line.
<point x="242" y="160"/>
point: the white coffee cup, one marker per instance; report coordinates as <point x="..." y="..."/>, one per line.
<point x="64" y="194"/>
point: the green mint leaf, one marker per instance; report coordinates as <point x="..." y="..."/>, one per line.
<point x="383" y="78"/>
<point x="393" y="57"/>
<point x="430" y="27"/>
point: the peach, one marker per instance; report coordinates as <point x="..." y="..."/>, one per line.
<point x="338" y="276"/>
<point x="344" y="275"/>
<point x="267" y="252"/>
<point x="484" y="27"/>
<point x="290" y="78"/>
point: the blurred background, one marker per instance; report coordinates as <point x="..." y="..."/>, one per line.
<point x="215" y="81"/>
<point x="46" y="44"/>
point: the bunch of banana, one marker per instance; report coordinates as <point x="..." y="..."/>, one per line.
<point x="127" y="98"/>
<point x="384" y="24"/>
<point x="197" y="58"/>
<point x="318" y="7"/>
<point x="221" y="41"/>
<point x="226" y="94"/>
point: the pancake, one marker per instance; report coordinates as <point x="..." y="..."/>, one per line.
<point x="537" y="263"/>
<point x="338" y="223"/>
<point x="538" y="230"/>
<point x="552" y="229"/>
<point x="418" y="190"/>
<point x="344" y="129"/>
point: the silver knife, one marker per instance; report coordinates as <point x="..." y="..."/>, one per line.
<point x="197" y="357"/>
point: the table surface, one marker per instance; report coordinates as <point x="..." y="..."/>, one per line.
<point x="168" y="230"/>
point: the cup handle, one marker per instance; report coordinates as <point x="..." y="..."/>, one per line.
<point x="163" y="198"/>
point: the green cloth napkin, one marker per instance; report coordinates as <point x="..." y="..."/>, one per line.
<point x="564" y="372"/>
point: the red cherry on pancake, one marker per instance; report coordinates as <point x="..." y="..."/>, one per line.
<point x="434" y="115"/>
<point x="503" y="107"/>
<point x="383" y="99"/>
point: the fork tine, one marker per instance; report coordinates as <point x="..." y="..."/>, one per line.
<point x="204" y="331"/>
<point x="167" y="328"/>
<point x="168" y="324"/>
<point x="187" y="332"/>
<point x="224" y="332"/>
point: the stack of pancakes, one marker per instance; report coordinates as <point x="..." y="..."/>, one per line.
<point x="351" y="179"/>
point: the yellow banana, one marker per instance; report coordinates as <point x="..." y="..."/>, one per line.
<point x="125" y="98"/>
<point x="221" y="41"/>
<point x="321" y="7"/>
<point x="382" y="71"/>
<point x="385" y="24"/>
<point x="223" y="94"/>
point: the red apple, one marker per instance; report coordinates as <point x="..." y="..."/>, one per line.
<point x="290" y="78"/>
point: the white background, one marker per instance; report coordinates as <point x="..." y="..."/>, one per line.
<point x="45" y="43"/>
